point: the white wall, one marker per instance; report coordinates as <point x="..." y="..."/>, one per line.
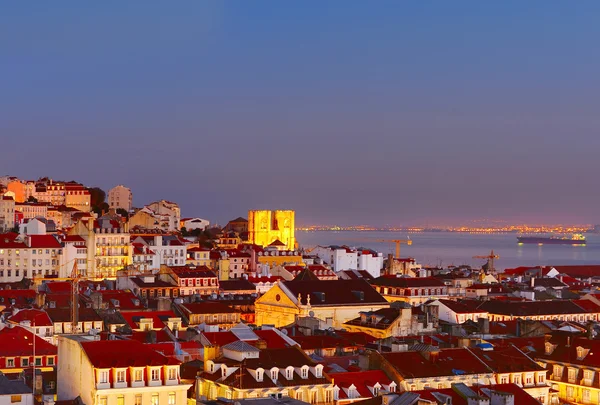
<point x="26" y="399"/>
<point x="370" y="263"/>
<point x="75" y="375"/>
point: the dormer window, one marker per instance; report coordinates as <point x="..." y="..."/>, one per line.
<point x="259" y="374"/>
<point x="289" y="373"/>
<point x="274" y="374"/>
<point x="581" y="353"/>
<point x="304" y="372"/>
<point x="319" y="371"/>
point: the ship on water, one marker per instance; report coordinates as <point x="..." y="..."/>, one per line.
<point x="575" y="239"/>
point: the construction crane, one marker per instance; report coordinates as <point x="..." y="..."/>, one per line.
<point x="75" y="278"/>
<point x="398" y="242"/>
<point x="490" y="258"/>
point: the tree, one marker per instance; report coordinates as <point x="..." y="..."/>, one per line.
<point x="101" y="209"/>
<point x="123" y="212"/>
<point x="97" y="196"/>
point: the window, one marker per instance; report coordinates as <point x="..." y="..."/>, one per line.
<point x="274" y="375"/>
<point x="304" y="372"/>
<point x="171" y="398"/>
<point x="121" y="376"/>
<point x="540" y="378"/>
<point x="328" y="396"/>
<point x="138" y="375"/>
<point x="313" y="397"/>
<point x="103" y="377"/>
<point x="154" y="400"/>
<point x="504" y="379"/>
<point x="138" y="400"/>
<point x="172" y="374"/>
<point x="102" y="401"/>
<point x="155" y="374"/>
<point x="572" y="374"/>
<point x="587" y="396"/>
<point x="529" y="380"/>
<point x="15" y="399"/>
<point x="10" y="362"/>
<point x="121" y="400"/>
<point x="299" y="395"/>
<point x="38" y="361"/>
<point x="569" y="392"/>
<point x="375" y="391"/>
<point x="557" y="371"/>
<point x="50" y="361"/>
<point x="25" y="361"/>
<point x="288" y="373"/>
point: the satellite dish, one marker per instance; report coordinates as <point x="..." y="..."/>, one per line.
<point x="285" y="332"/>
<point x="311" y="314"/>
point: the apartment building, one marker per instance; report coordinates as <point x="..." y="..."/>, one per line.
<point x="117" y="372"/>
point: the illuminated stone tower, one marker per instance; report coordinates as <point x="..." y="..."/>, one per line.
<point x="265" y="227"/>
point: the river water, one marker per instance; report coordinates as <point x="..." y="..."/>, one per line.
<point x="453" y="248"/>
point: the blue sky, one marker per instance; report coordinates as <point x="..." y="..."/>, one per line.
<point x="349" y="112"/>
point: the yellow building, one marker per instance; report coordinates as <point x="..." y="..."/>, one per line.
<point x="266" y="227"/>
<point x="572" y="366"/>
<point x="244" y="371"/>
<point x="274" y="258"/>
<point x="334" y="302"/>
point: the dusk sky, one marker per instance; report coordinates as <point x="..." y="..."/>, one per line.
<point x="348" y="112"/>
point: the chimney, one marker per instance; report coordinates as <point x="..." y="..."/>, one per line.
<point x="590" y="330"/>
<point x="484" y="325"/>
<point x="532" y="281"/>
<point x="518" y="331"/>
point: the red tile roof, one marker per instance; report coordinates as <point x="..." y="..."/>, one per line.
<point x="362" y="380"/>
<point x="21" y="297"/>
<point x="18" y="341"/>
<point x="123" y="353"/>
<point x="44" y="242"/>
<point x="127" y="301"/>
<point x="9" y="241"/>
<point x="461" y="307"/>
<point x="220" y="338"/>
<point x="335" y="292"/>
<point x="37" y="317"/>
<point x="193" y="272"/>
<point x="273" y="340"/>
<point x="521" y="397"/>
<point x="207" y="307"/>
<point x="448" y="362"/>
<point x="407" y="282"/>
<point x="507" y="359"/>
<point x="321" y="342"/>
<point x="159" y="318"/>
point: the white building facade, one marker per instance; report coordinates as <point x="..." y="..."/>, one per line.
<point x="120" y="197"/>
